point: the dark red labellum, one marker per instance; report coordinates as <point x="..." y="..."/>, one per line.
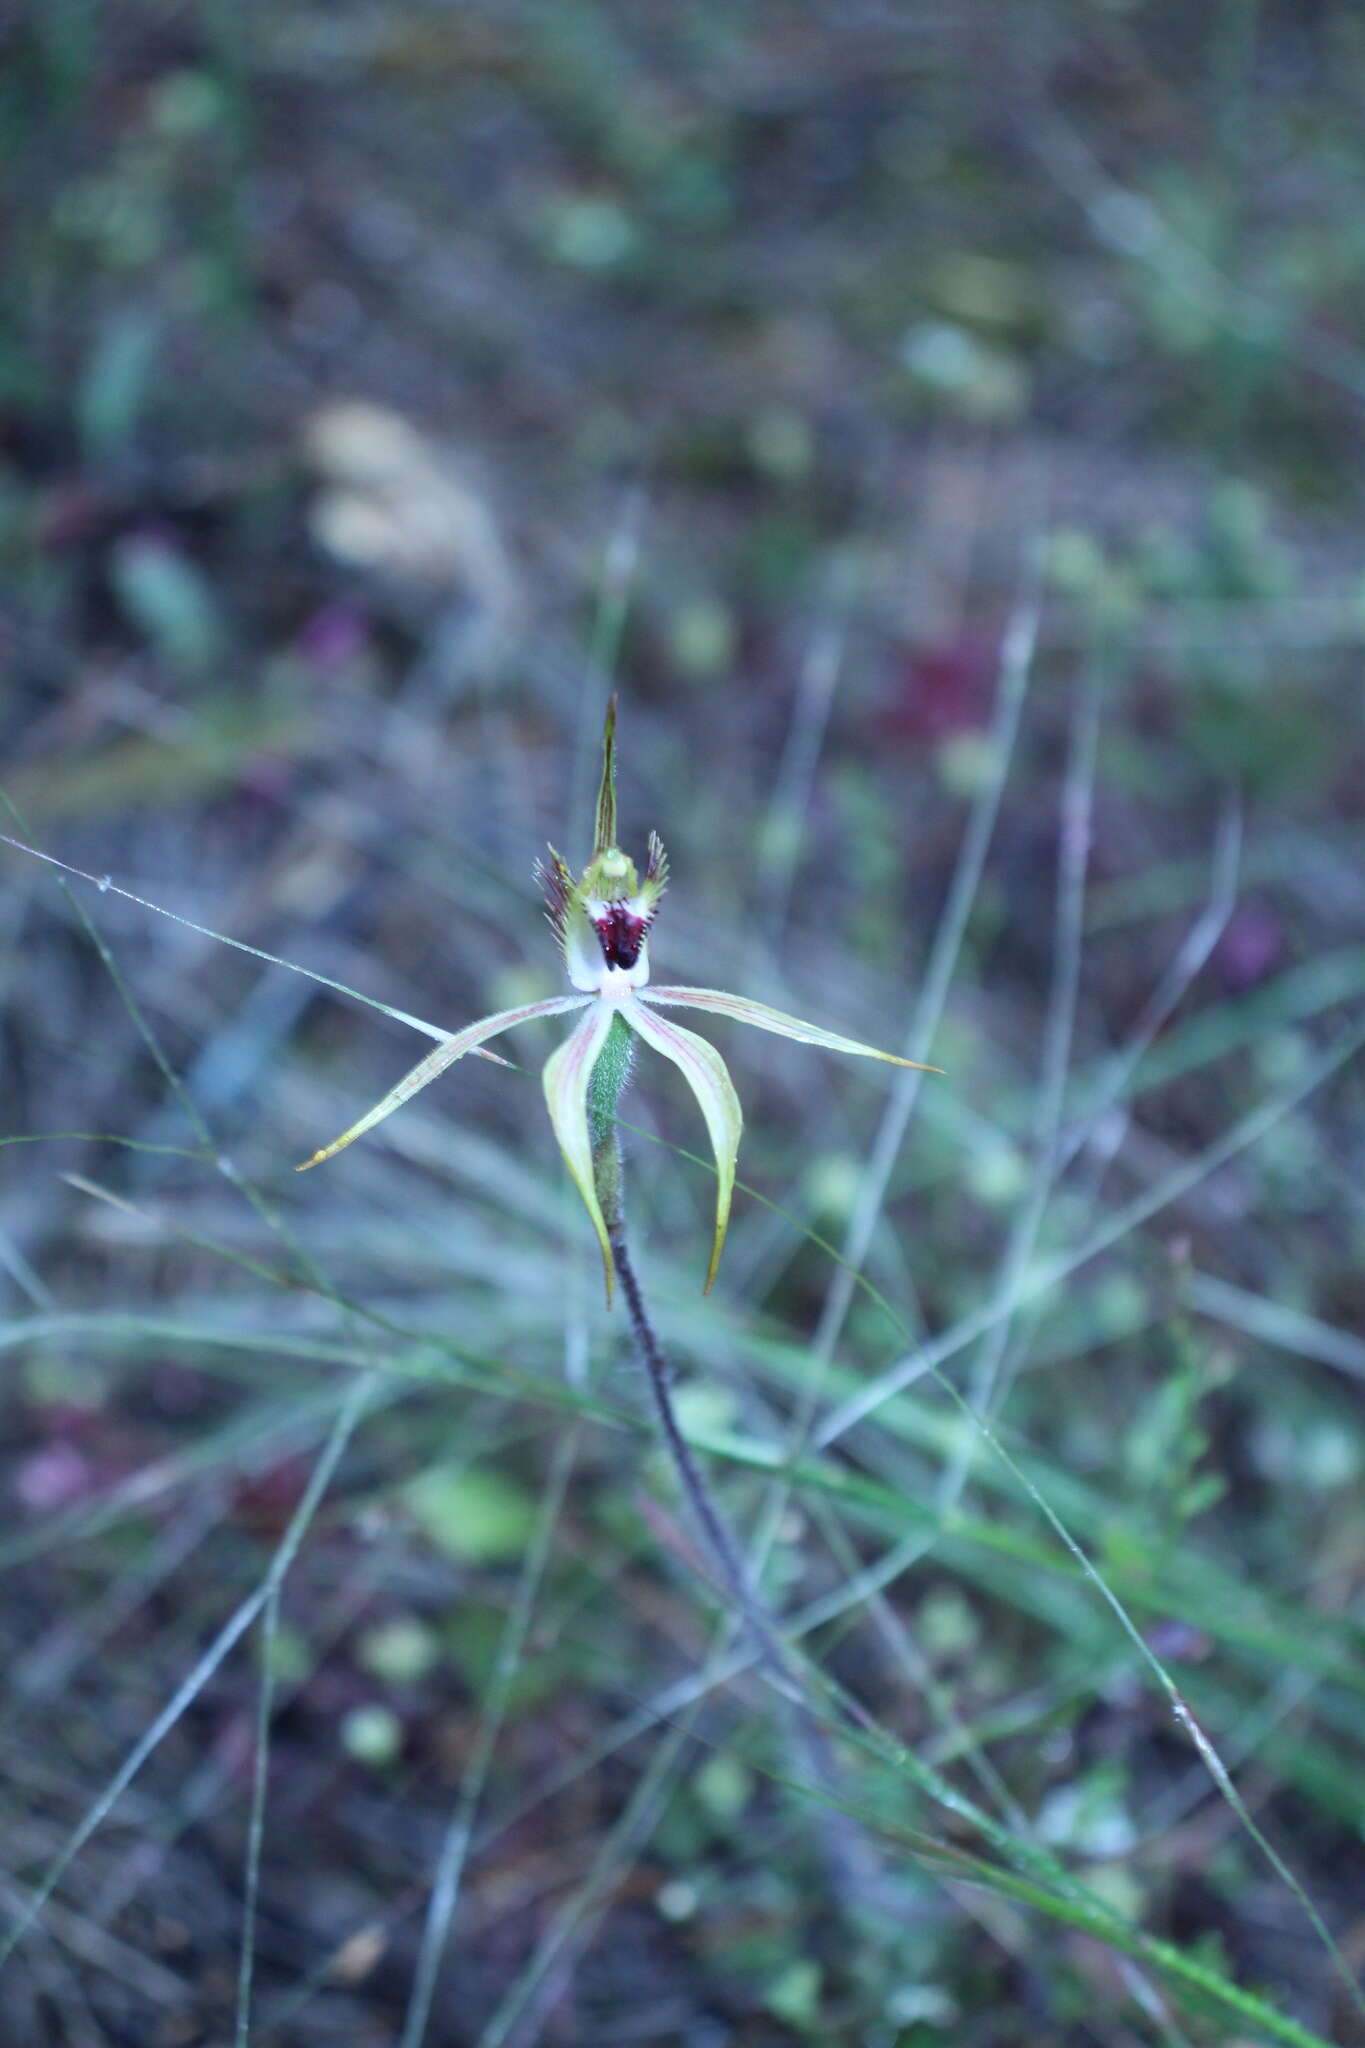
<point x="621" y="934"/>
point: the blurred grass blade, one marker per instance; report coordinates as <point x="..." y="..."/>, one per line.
<point x="348" y="1417"/>
<point x="107" y="887"/>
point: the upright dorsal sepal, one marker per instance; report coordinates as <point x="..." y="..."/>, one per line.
<point x="606" y="795"/>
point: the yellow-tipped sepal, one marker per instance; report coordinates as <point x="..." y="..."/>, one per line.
<point x="436" y="1062"/>
<point x="764" y="1018"/>
<point x="708" y="1077"/>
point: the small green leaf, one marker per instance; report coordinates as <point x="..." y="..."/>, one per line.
<point x="168" y="599"/>
<point x="724" y="1787"/>
<point x="794" y="1995"/>
<point x="476" y="1515"/>
<point x="115" y="386"/>
<point x="372" y="1735"/>
<point x="401" y="1651"/>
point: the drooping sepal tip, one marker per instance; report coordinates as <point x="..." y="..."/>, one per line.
<point x="707" y="1075"/>
<point x="764" y="1018"/>
<point x="470" y="1040"/>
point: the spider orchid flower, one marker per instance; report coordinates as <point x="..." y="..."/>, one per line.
<point x="602" y="924"/>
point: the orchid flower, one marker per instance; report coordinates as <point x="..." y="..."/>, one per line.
<point x="602" y="923"/>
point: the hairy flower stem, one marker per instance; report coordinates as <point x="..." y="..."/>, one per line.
<point x="845" y="1850"/>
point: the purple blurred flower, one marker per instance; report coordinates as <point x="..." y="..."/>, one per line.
<point x="1251" y="946"/>
<point x="53" y="1478"/>
<point x="944" y="689"/>
<point x="334" y="634"/>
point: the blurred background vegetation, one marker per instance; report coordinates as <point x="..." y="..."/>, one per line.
<point x="379" y="385"/>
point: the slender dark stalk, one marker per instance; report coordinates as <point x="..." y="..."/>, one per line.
<point x="846" y="1852"/>
<point x="851" y="1867"/>
<point x="723" y="1548"/>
